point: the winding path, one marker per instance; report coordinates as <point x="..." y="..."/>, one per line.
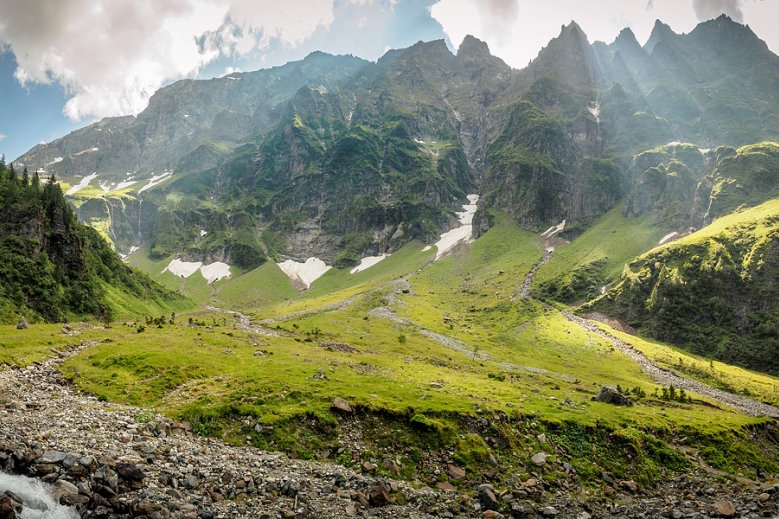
<point x="657" y="373"/>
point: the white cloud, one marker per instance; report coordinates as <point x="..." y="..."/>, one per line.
<point x="708" y="9"/>
<point x="231" y="70"/>
<point x="112" y="55"/>
<point x="2" y="136"/>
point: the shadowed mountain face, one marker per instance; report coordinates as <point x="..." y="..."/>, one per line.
<point x="340" y="158"/>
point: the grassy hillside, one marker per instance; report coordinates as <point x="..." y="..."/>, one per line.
<point x="714" y="292"/>
<point x="53" y="268"/>
<point x="596" y="257"/>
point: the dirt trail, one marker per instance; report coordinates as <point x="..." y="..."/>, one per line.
<point x="658" y="373"/>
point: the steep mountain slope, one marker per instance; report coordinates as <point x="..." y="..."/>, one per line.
<point x="54" y="268"/>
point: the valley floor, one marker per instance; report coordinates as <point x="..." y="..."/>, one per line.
<point x="127" y="460"/>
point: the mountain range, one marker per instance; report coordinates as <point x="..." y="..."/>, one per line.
<point x="341" y="159"/>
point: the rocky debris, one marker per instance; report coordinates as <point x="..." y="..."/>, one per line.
<point x="22" y="324"/>
<point x="668" y="377"/>
<point x="609" y="395"/>
<point x="341" y="407"/>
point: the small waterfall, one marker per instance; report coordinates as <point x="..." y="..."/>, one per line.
<point x="140" y="206"/>
<point x="37" y="498"/>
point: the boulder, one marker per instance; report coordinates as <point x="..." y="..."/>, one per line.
<point x="455" y="472"/>
<point x="724" y="509"/>
<point x="130" y="471"/>
<point x="341" y="407"/>
<point x="539" y="459"/>
<point x="609" y="395"/>
<point x="379" y="495"/>
<point x="22" y="324"/>
<point x="488" y="499"/>
<point x="63" y="488"/>
<point x="446" y="486"/>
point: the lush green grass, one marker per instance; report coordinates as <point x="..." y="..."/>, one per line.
<point x="598" y="256"/>
<point x="338" y="284"/>
<point x="540" y="367"/>
<point x="264" y="286"/>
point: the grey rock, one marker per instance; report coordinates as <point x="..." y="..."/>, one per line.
<point x="341" y="406"/>
<point x="609" y="395"/>
<point x="52" y="457"/>
<point x="22" y="324"/>
<point x="63" y="488"/>
<point x="539" y="459"/>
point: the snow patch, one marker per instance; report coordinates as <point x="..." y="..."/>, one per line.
<point x="462" y="234"/>
<point x="215" y="271"/>
<point x="595" y="111"/>
<point x="674" y="143"/>
<point x="704" y="150"/>
<point x="203" y="232"/>
<point x="367" y="263"/>
<point x="305" y="273"/>
<point x="123" y="185"/>
<point x="182" y="269"/>
<point x="553" y="230"/>
<point x="81" y="185"/>
<point x="132" y="250"/>
<point x="427" y="248"/>
<point x="105" y="186"/>
<point x="668" y="237"/>
<point x="157" y="180"/>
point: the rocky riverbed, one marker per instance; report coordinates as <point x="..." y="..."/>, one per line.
<point x="112" y="461"/>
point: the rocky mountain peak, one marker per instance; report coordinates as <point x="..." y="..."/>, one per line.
<point x="472" y="47"/>
<point x="660" y="32"/>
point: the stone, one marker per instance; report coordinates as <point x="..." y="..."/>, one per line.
<point x="584" y="515"/>
<point x="764" y="497"/>
<point x="539" y="459"/>
<point x="488" y="499"/>
<point x="491" y="514"/>
<point x="191" y="482"/>
<point x="541" y="437"/>
<point x="379" y="495"/>
<point x="391" y="467"/>
<point x="368" y="467"/>
<point x="724" y="508"/>
<point x="605" y="476"/>
<point x="341" y="406"/>
<point x="52" y="457"/>
<point x="455" y="472"/>
<point x="63" y="488"/>
<point x="74" y="500"/>
<point x="130" y="471"/>
<point x="609" y="395"/>
<point x="22" y="324"/>
<point x="630" y="485"/>
<point x="549" y="511"/>
<point x="446" y="486"/>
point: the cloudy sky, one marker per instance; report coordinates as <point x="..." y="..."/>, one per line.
<point x="67" y="63"/>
